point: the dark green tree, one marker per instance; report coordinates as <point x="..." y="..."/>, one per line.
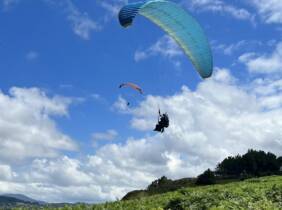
<point x="206" y="178"/>
<point x="230" y="166"/>
<point x="279" y="160"/>
<point x="253" y="163"/>
<point x="161" y="184"/>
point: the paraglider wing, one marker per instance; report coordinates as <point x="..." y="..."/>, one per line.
<point x="179" y="24"/>
<point x="133" y="86"/>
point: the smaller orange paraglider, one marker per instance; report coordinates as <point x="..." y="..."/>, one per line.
<point x="133" y="86"/>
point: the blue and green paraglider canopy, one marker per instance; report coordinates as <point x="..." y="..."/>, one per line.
<point x="179" y="24"/>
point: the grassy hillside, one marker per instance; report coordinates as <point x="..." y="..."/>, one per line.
<point x="260" y="193"/>
<point x="159" y="186"/>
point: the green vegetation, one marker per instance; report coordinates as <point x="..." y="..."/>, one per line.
<point x="253" y="163"/>
<point x="256" y="193"/>
<point x="226" y="189"/>
<point x="206" y="178"/>
<point x="9" y="202"/>
<point x="231" y="169"/>
<point x="159" y="186"/>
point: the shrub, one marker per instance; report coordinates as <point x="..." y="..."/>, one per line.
<point x="206" y="178"/>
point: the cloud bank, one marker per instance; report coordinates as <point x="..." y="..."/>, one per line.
<point x="220" y="118"/>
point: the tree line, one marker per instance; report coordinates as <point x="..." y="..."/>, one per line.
<point x="234" y="168"/>
<point x="252" y="164"/>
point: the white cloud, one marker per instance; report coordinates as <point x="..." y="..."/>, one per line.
<point x="218" y="119"/>
<point x="223" y="75"/>
<point x="165" y="47"/>
<point x="221" y="7"/>
<point x="66" y="86"/>
<point x="238" y="119"/>
<point x="121" y="105"/>
<point x="67" y="179"/>
<point x="269" y="92"/>
<point x="112" y="7"/>
<point x="265" y="87"/>
<point x="6" y="172"/>
<point x="82" y="24"/>
<point x="7" y="4"/>
<point x="96" y="96"/>
<point x="267" y="63"/>
<point x="61" y="172"/>
<point x="32" y="55"/>
<point x="269" y="10"/>
<point x="229" y="49"/>
<point x="109" y="135"/>
<point x="60" y="180"/>
<point x="26" y="127"/>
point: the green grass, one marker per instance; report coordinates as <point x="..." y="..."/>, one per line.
<point x="260" y="193"/>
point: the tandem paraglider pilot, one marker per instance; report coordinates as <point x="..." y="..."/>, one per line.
<point x="163" y="122"/>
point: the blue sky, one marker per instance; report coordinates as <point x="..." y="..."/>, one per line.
<point x="65" y="133"/>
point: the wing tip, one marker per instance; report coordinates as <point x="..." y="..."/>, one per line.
<point x="205" y="76"/>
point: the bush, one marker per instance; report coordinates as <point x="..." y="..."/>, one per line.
<point x="175" y="204"/>
<point x="206" y="178"/>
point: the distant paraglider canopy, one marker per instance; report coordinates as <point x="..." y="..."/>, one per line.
<point x="132" y="85"/>
<point x="179" y="24"/>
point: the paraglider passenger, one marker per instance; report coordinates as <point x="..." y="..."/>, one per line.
<point x="162" y="123"/>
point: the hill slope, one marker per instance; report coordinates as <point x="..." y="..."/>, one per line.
<point x="159" y="186"/>
<point x="23" y="198"/>
<point x="8" y="202"/>
<point x="261" y="193"/>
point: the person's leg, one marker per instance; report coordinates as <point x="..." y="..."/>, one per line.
<point x="158" y="128"/>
